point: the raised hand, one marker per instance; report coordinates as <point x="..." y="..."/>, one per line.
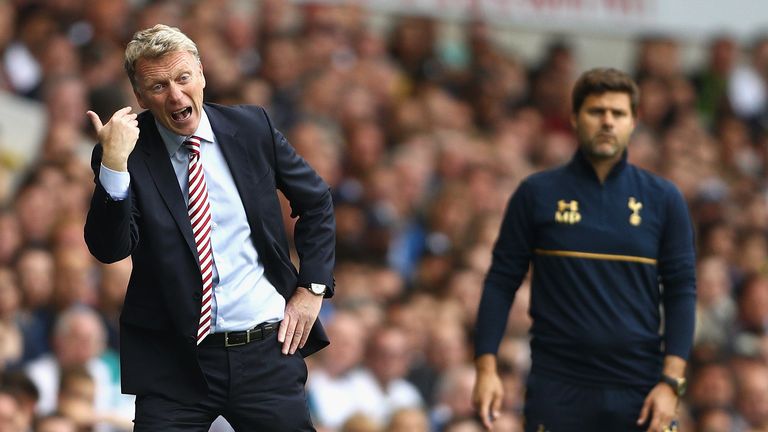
<point x="118" y="137"/>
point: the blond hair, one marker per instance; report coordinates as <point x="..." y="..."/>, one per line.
<point x="156" y="42"/>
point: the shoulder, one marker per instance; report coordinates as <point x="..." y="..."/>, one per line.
<point x="235" y="111"/>
<point x="145" y="119"/>
<point x="546" y="179"/>
<point x="659" y="185"/>
<point x="250" y="120"/>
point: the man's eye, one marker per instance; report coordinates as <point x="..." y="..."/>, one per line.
<point x="157" y="87"/>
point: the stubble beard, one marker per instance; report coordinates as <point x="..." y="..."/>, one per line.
<point x="602" y="146"/>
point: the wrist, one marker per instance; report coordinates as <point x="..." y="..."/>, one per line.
<point x="486" y="363"/>
<point x="316" y="289"/>
<point x="678" y="384"/>
<point x="115" y="163"/>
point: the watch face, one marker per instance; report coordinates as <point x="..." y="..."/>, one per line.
<point x="317" y="289"/>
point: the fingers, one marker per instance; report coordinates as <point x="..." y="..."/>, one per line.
<point x="485" y="413"/>
<point x="496" y="407"/>
<point x="298" y="333"/>
<point x="656" y="424"/>
<point x="487" y="398"/>
<point x="95" y="121"/>
<point x="121" y="114"/>
<point x="122" y="111"/>
<point x="305" y="335"/>
<point x="290" y="334"/>
<point x="660" y="423"/>
<point x="282" y="332"/>
<point x="644" y="411"/>
<point x="300" y="313"/>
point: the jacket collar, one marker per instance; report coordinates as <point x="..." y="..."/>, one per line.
<point x="581" y="164"/>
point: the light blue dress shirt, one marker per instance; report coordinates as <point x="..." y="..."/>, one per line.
<point x="242" y="295"/>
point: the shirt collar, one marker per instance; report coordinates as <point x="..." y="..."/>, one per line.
<point x="173" y="142"/>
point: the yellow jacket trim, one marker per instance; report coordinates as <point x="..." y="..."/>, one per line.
<point x="596" y="256"/>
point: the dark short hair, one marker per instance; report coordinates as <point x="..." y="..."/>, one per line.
<point x="602" y="80"/>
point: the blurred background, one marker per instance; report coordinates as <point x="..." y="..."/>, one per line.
<point x="423" y="116"/>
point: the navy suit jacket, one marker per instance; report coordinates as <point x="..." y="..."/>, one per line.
<point x="160" y="315"/>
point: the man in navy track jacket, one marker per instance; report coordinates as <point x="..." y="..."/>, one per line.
<point x="609" y="244"/>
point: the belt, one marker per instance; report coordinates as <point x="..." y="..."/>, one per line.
<point x="235" y="338"/>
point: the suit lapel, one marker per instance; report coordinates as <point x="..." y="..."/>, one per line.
<point x="235" y="151"/>
<point x="160" y="168"/>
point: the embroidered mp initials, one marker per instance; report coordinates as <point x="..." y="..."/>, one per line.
<point x="567" y="212"/>
<point x="635" y="206"/>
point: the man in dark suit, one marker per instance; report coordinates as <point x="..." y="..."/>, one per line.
<point x="215" y="311"/>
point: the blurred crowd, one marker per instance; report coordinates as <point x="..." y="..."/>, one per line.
<point x="423" y="141"/>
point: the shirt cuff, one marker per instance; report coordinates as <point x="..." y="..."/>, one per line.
<point x="116" y="183"/>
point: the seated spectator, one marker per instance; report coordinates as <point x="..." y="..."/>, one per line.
<point x="10" y="331"/>
<point x="55" y="423"/>
<point x="454" y="396"/>
<point x="408" y="420"/>
<point x="10" y="233"/>
<point x="752" y="394"/>
<point x="360" y="423"/>
<point x="11" y="419"/>
<point x="382" y="388"/>
<point x="331" y="386"/>
<point x="715" y="308"/>
<point x="35" y="270"/>
<point x="76" y="397"/>
<point x="717" y="420"/>
<point x="23" y="389"/>
<point x="712" y="387"/>
<point x="446" y="349"/>
<point x="463" y="424"/>
<point x="78" y="342"/>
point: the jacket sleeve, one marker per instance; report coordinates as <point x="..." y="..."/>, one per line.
<point x="311" y="202"/>
<point x="677" y="269"/>
<point x="511" y="260"/>
<point x="110" y="229"/>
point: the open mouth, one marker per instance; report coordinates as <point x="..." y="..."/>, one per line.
<point x="182" y="114"/>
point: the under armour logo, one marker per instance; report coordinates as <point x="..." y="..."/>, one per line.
<point x="567" y="212"/>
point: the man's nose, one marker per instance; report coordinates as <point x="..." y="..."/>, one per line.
<point x="174" y="92"/>
<point x="608" y="121"/>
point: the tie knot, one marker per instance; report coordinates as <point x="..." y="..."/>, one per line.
<point x="193" y="145"/>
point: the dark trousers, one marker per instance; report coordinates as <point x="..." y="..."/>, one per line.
<point x="254" y="386"/>
<point x="555" y="406"/>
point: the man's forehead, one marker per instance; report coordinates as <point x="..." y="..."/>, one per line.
<point x="616" y="100"/>
<point x="171" y="60"/>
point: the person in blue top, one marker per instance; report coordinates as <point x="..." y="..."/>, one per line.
<point x="613" y="285"/>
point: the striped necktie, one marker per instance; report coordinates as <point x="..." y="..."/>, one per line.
<point x="199" y="210"/>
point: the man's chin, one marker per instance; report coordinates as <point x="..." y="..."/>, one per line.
<point x="602" y="153"/>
